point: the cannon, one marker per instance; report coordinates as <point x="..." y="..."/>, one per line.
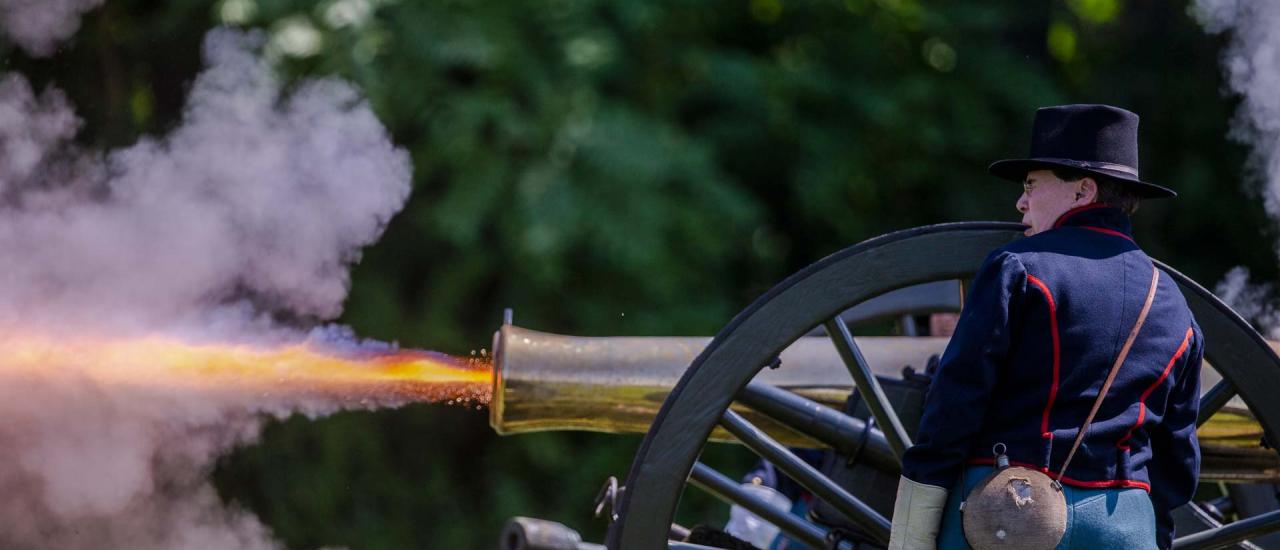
<point x="776" y="376"/>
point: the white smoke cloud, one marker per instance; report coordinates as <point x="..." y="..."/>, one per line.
<point x="84" y="467"/>
<point x="1253" y="301"/>
<point x="31" y="129"/>
<point x="38" y="26"/>
<point x="1252" y="67"/>
<point x="1251" y="64"/>
<point x="253" y="196"/>
<point x="252" y="208"/>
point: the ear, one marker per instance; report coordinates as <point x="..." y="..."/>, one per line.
<point x="1086" y="191"/>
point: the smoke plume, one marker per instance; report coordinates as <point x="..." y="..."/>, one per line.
<point x="1251" y="64"/>
<point x="1252" y="67"/>
<point x="1253" y="301"/>
<point x="252" y="209"/>
<point x="38" y="26"/>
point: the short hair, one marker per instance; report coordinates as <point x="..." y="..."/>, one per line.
<point x="1110" y="192"/>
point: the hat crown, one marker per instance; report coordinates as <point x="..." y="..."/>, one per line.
<point x="1088" y="133"/>
<point x="1098" y="140"/>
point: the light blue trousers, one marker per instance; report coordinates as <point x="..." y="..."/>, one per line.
<point x="1097" y="519"/>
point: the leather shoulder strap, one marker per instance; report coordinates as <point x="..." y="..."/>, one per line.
<point x="1115" y="369"/>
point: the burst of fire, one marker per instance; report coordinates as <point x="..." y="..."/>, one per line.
<point x="353" y="375"/>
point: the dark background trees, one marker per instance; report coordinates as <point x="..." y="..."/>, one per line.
<point x="647" y="168"/>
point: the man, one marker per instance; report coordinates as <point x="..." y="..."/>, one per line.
<point x="1043" y="324"/>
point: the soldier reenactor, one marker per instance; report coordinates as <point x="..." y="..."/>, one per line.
<point x="1046" y="330"/>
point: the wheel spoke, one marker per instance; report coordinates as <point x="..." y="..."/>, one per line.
<point x="807" y="476"/>
<point x="723" y="488"/>
<point x="1230" y="533"/>
<point x="850" y="437"/>
<point x="872" y="394"/>
<point x="908" y="324"/>
<point x="1214" y="399"/>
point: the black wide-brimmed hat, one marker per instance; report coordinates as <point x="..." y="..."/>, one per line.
<point x="1096" y="139"/>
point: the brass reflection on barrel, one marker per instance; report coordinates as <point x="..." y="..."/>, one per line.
<point x="546" y="381"/>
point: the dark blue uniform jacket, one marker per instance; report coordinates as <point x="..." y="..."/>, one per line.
<point x="1043" y="323"/>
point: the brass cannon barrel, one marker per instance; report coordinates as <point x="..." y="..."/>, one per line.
<point x="546" y="381"/>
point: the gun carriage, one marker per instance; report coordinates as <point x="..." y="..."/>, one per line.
<point x="767" y="382"/>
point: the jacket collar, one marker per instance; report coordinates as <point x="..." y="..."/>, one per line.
<point x="1097" y="217"/>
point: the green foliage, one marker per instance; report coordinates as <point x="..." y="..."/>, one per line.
<point x="649" y="168"/>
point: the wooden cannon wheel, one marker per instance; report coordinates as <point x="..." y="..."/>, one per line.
<point x="815" y="296"/>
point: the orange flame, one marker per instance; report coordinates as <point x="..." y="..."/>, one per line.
<point x="295" y="370"/>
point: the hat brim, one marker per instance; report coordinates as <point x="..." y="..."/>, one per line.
<point x="1015" y="170"/>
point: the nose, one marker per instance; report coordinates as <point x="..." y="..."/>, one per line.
<point x="1022" y="205"/>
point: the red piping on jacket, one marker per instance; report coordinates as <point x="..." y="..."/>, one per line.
<point x="1104" y="230"/>
<point x="1104" y="484"/>
<point x="1057" y="354"/>
<point x="1091" y="206"/>
<point x="1142" y="401"/>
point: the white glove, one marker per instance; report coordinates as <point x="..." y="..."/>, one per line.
<point x="916" y="515"/>
<point x="751" y="528"/>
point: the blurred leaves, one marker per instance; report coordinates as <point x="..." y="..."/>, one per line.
<point x="648" y="168"/>
<point x="1062" y="41"/>
<point x="1095" y="11"/>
